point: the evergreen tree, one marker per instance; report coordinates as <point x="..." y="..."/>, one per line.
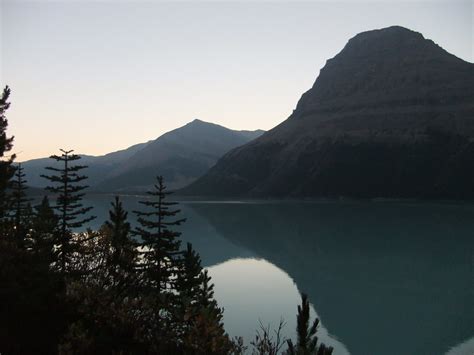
<point x="6" y="144"/>
<point x="206" y="301"/>
<point x="44" y="232"/>
<point x="45" y="220"/>
<point x="68" y="204"/>
<point x="123" y="253"/>
<point x="190" y="276"/>
<point x="205" y="295"/>
<point x="194" y="286"/>
<point x="204" y="331"/>
<point x="201" y="326"/>
<point x="158" y="267"/>
<point x="307" y="342"/>
<point x="28" y="293"/>
<point x="20" y="208"/>
<point x="160" y="243"/>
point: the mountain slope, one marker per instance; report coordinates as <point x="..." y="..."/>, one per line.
<point x="180" y="156"/>
<point x="392" y="115"/>
<point x="36" y="167"/>
<point x="98" y="166"/>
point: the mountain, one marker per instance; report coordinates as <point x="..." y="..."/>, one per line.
<point x="35" y="167"/>
<point x="391" y="115"/>
<point x="98" y="166"/>
<point x="181" y="156"/>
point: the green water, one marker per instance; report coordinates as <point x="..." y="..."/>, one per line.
<point x="384" y="277"/>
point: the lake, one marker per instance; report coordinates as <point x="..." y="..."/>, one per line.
<point x="383" y="277"/>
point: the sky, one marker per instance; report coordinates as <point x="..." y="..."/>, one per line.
<point x="99" y="76"/>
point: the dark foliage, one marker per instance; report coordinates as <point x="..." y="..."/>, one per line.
<point x="267" y="344"/>
<point x="125" y="296"/>
<point x="33" y="307"/>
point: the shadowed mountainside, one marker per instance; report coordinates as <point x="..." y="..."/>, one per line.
<point x="392" y="115"/>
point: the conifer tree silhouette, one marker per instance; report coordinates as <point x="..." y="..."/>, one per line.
<point x="190" y="276"/>
<point x="123" y="249"/>
<point x="203" y="329"/>
<point x="6" y="144"/>
<point x="68" y="203"/>
<point x="44" y="232"/>
<point x="196" y="293"/>
<point x="307" y="342"/>
<point x="160" y="243"/>
<point x="206" y="292"/>
<point x="45" y="220"/>
<point x="20" y="208"/>
<point x="194" y="287"/>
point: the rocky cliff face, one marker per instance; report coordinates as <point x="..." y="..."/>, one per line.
<point x="392" y="115"/>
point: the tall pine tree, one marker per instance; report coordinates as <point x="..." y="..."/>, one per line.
<point x="123" y="250"/>
<point x="20" y="208"/>
<point x="193" y="283"/>
<point x="44" y="232"/>
<point x="160" y="243"/>
<point x="68" y="204"/>
<point x="200" y="323"/>
<point x="6" y="144"/>
<point x="190" y="277"/>
<point x="45" y="220"/>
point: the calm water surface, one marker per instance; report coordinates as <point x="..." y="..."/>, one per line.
<point x="383" y="277"/>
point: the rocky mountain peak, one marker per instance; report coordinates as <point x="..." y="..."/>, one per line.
<point x="383" y="66"/>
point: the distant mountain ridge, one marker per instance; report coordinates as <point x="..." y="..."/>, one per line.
<point x="181" y="156"/>
<point x="391" y="115"/>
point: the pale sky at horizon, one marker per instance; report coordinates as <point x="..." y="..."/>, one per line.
<point x="99" y="76"/>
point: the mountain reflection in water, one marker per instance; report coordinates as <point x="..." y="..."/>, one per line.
<point x="384" y="277"/>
